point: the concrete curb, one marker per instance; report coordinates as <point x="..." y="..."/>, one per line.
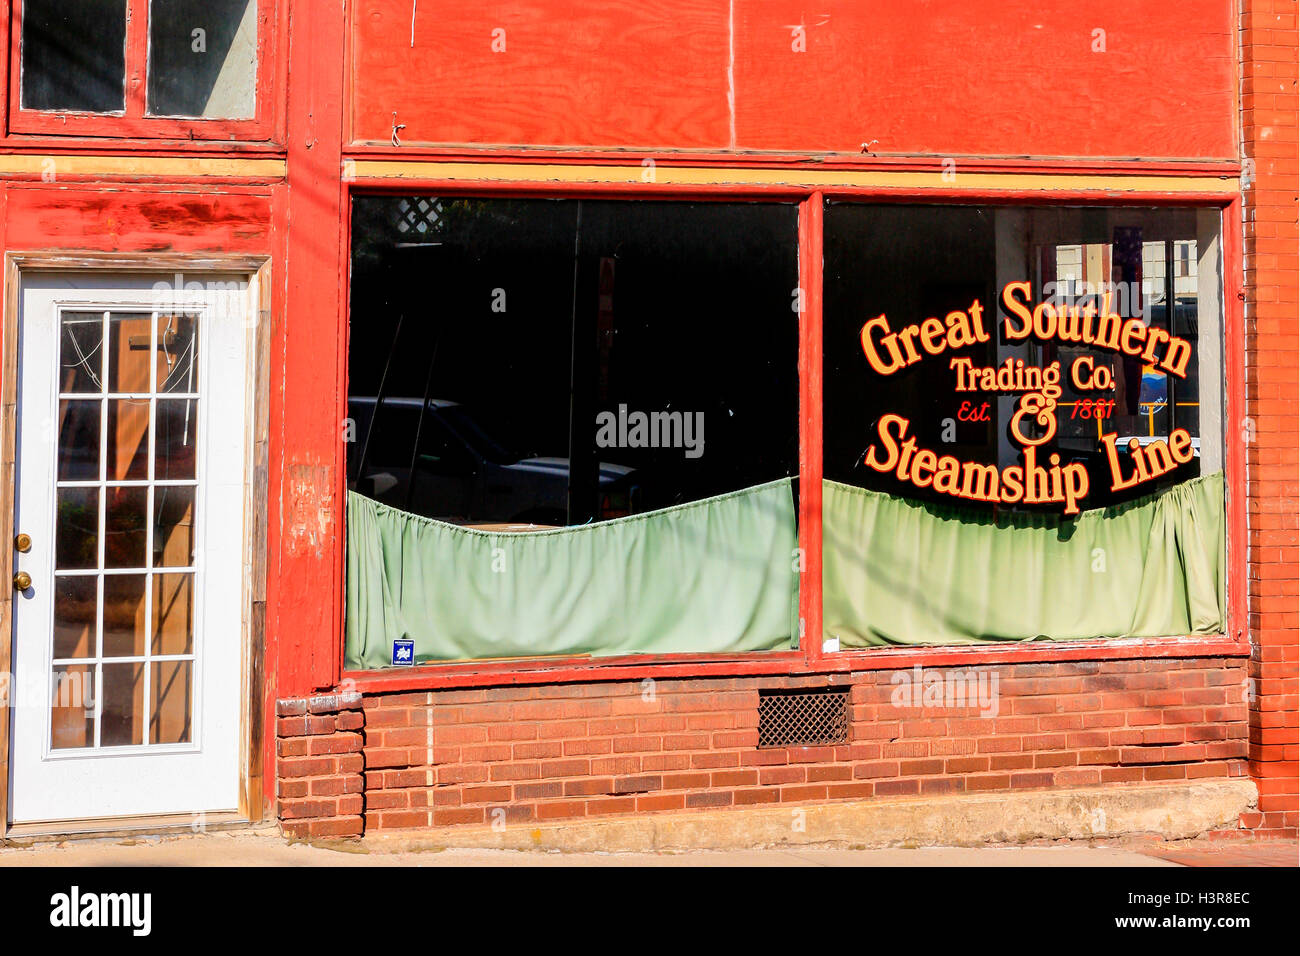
<point x="1175" y="811"/>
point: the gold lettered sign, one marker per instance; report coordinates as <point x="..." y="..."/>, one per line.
<point x="1039" y="481"/>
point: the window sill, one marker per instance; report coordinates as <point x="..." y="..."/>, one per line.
<point x="782" y="663"/>
<point x="52" y="144"/>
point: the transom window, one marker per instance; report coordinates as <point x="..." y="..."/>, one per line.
<point x="140" y="67"/>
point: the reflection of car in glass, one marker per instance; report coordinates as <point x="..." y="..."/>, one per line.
<point x="465" y="471"/>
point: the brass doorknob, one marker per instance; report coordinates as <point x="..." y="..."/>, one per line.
<point x="22" y="581"/>
<point x="23" y="543"/>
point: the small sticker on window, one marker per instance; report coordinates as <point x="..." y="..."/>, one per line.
<point x="403" y="653"/>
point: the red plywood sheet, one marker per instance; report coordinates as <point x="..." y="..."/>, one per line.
<point x="978" y="77"/>
<point x="994" y="77"/>
<point x="609" y="73"/>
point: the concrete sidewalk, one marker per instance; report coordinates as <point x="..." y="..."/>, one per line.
<point x="265" y="848"/>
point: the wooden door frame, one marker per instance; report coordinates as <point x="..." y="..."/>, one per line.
<point x="257" y="269"/>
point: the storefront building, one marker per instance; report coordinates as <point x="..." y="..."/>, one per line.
<point x="423" y="417"/>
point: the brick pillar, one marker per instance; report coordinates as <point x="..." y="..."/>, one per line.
<point x="319" y="787"/>
<point x="1268" y="114"/>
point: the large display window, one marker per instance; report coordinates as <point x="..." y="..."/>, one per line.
<point x="574" y="426"/>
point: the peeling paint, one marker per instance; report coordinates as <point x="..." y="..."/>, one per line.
<point x="309" y="508"/>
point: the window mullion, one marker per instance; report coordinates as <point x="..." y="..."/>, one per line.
<point x="137" y="57"/>
<point x="810" y="425"/>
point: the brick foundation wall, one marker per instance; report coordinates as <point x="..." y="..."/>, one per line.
<point x="318" y="747"/>
<point x="1269" y="103"/>
<point x="521" y="754"/>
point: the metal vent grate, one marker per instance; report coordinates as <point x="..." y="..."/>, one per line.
<point x="791" y="718"/>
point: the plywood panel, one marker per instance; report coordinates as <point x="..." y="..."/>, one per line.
<point x="573" y="72"/>
<point x="938" y="77"/>
<point x="994" y="77"/>
<point x="136" y="219"/>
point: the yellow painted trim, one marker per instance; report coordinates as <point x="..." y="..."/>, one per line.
<point x="811" y="178"/>
<point x="138" y="166"/>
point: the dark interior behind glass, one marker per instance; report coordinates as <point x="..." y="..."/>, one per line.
<point x="74" y="55"/>
<point x="511" y="344"/>
<point x="912" y="262"/>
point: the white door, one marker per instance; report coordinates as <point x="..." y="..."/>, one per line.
<point x="131" y="484"/>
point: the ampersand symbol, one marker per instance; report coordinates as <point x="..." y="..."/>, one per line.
<point x="1044" y="411"/>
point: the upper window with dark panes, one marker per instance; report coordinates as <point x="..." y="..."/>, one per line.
<point x="137" y="60"/>
<point x="558" y="362"/>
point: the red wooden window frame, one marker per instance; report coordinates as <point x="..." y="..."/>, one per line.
<point x="134" y="121"/>
<point x="808" y="658"/>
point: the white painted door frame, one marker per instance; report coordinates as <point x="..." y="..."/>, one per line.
<point x="108" y="784"/>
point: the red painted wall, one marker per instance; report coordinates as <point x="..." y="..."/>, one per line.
<point x="993" y="77"/>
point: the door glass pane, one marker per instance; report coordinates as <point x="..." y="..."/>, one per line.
<point x="175" y="441"/>
<point x="173" y="526"/>
<point x="123" y="709"/>
<point x="178" y="339"/>
<point x="126" y="527"/>
<point x="124" y="614"/>
<point x="128" y="439"/>
<point x="79" y="439"/>
<point x="72" y="706"/>
<point x="76" y="532"/>
<point x="171" y="695"/>
<point x="81" y="363"/>
<point x="75" y="607"/>
<point x="130" y="341"/>
<point x="173" y="613"/>
<point x="74" y="55"/>
<point x="203" y="58"/>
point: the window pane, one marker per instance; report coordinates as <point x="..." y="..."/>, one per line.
<point x="79" y="439"/>
<point x="74" y="55"/>
<point x="125" y="615"/>
<point x="583" y="360"/>
<point x="130" y="341"/>
<point x="178" y="339"/>
<point x="173" y="613"/>
<point x="75" y="606"/>
<point x="81" y="363"/>
<point x="203" y="58"/>
<point x="174" y="443"/>
<point x="122" y="714"/>
<point x="171" y="697"/>
<point x="128" y="439"/>
<point x="76" y="532"/>
<point x="72" y="706"/>
<point x="1111" y="295"/>
<point x="173" y="526"/>
<point x="126" y="526"/>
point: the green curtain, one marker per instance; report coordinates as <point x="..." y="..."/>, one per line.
<point x="716" y="576"/>
<point x="897" y="571"/>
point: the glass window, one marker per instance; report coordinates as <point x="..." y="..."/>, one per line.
<point x="74" y="55"/>
<point x="1057" y="338"/>
<point x="575" y="360"/>
<point x="201" y="60"/>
